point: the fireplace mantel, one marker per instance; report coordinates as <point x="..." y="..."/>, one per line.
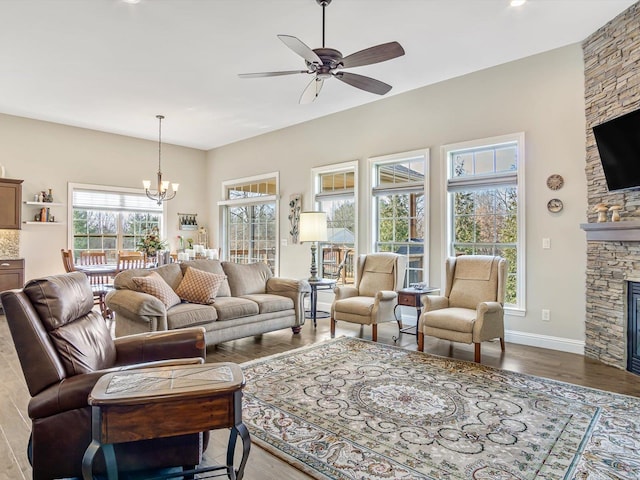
<point x="622" y="231"/>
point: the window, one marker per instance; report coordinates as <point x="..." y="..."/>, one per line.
<point x="399" y="210"/>
<point x="109" y="219"/>
<point x="250" y="220"/>
<point x="485" y="188"/>
<point x="334" y="189"/>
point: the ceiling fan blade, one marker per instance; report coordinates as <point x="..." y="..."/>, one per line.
<point x="312" y="91"/>
<point x="270" y="74"/>
<point x="363" y="83"/>
<point x="379" y="53"/>
<point x="300" y="48"/>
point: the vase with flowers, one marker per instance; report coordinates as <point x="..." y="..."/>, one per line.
<point x="151" y="243"/>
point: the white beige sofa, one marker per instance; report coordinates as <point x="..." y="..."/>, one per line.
<point x="249" y="302"/>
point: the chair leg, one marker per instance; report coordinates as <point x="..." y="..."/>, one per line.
<point x="477" y="355"/>
<point x="333" y="327"/>
<point x="502" y="343"/>
<point x="374" y="332"/>
<point x="420" y="342"/>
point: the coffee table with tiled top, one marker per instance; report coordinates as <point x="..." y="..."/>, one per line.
<point x="139" y="404"/>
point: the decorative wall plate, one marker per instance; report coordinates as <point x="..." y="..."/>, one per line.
<point x="555" y="181"/>
<point x="554" y="205"/>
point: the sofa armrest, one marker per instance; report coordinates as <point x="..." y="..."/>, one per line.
<point x="138" y="306"/>
<point x="277" y="285"/>
<point x="296" y="290"/>
<point x="152" y="346"/>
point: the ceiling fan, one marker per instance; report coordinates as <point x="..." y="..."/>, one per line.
<point x="325" y="63"/>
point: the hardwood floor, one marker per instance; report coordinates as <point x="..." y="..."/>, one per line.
<point x="566" y="367"/>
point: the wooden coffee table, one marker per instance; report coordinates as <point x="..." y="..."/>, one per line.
<point x="161" y="402"/>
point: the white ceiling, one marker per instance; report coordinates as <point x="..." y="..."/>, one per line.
<point x="112" y="66"/>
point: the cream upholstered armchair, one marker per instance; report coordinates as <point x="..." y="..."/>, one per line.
<point x="373" y="297"/>
<point x="471" y="310"/>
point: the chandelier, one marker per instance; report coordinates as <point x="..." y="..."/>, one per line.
<point x="161" y="193"/>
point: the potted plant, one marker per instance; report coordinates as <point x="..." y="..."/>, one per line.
<point x="151" y="243"/>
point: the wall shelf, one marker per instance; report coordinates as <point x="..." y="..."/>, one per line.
<point x="44" y="223"/>
<point x="45" y="204"/>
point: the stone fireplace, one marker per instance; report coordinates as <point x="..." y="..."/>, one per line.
<point x="612" y="88"/>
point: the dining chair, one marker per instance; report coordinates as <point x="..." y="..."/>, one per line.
<point x="88" y="257"/>
<point x="129" y="260"/>
<point x="100" y="285"/>
<point x="95" y="258"/>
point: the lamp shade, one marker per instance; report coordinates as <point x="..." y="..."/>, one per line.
<point x="313" y="227"/>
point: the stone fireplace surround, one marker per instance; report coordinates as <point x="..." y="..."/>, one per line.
<point x="612" y="88"/>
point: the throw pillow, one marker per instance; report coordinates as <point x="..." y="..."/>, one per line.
<point x="199" y="286"/>
<point x="154" y="284"/>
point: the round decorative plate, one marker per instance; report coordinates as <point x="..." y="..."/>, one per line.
<point x="554" y="205"/>
<point x="555" y="181"/>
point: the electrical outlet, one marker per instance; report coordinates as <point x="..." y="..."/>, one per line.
<point x="546" y="315"/>
<point x="546" y="243"/>
<point x="284" y="242"/>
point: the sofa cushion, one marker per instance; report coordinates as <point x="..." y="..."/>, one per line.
<point x="229" y="308"/>
<point x="171" y="274"/>
<point x="211" y="266"/>
<point x="186" y="315"/>
<point x="199" y="286"/>
<point x="268" y="303"/>
<point x="154" y="284"/>
<point x="248" y="278"/>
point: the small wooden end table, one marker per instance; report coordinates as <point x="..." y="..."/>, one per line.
<point x="161" y="402"/>
<point x="410" y="297"/>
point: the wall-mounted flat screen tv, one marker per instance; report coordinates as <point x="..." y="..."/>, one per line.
<point x="618" y="143"/>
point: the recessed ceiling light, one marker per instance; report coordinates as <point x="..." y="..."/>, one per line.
<point x="131" y="1"/>
<point x="518" y="3"/>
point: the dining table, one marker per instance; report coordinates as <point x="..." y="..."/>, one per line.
<point x="101" y="269"/>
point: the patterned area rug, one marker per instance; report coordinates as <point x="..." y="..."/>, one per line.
<point x="353" y="409"/>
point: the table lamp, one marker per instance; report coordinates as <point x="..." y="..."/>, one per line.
<point x="313" y="228"/>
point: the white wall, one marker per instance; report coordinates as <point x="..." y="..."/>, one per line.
<point x="541" y="96"/>
<point x="48" y="155"/>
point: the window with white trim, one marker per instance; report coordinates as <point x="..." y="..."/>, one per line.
<point x="110" y="219"/>
<point x="334" y="190"/>
<point x="485" y="185"/>
<point x="400" y="214"/>
<point x="251" y="220"/>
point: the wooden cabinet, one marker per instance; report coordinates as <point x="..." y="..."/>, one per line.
<point x="10" y="203"/>
<point x="11" y="274"/>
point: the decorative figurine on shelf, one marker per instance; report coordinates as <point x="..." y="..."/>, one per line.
<point x="49" y="197"/>
<point x="615" y="212"/>
<point x="602" y="209"/>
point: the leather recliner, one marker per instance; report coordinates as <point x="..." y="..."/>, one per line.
<point x="64" y="347"/>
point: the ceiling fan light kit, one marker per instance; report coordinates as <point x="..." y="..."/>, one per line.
<point x="324" y="63"/>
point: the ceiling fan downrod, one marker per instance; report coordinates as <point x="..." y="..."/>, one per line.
<point x="323" y="4"/>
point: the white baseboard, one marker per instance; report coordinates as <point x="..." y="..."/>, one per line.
<point x="522" y="338"/>
<point x="545" y="341"/>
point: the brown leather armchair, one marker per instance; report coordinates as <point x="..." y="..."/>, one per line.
<point x="64" y="347"/>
